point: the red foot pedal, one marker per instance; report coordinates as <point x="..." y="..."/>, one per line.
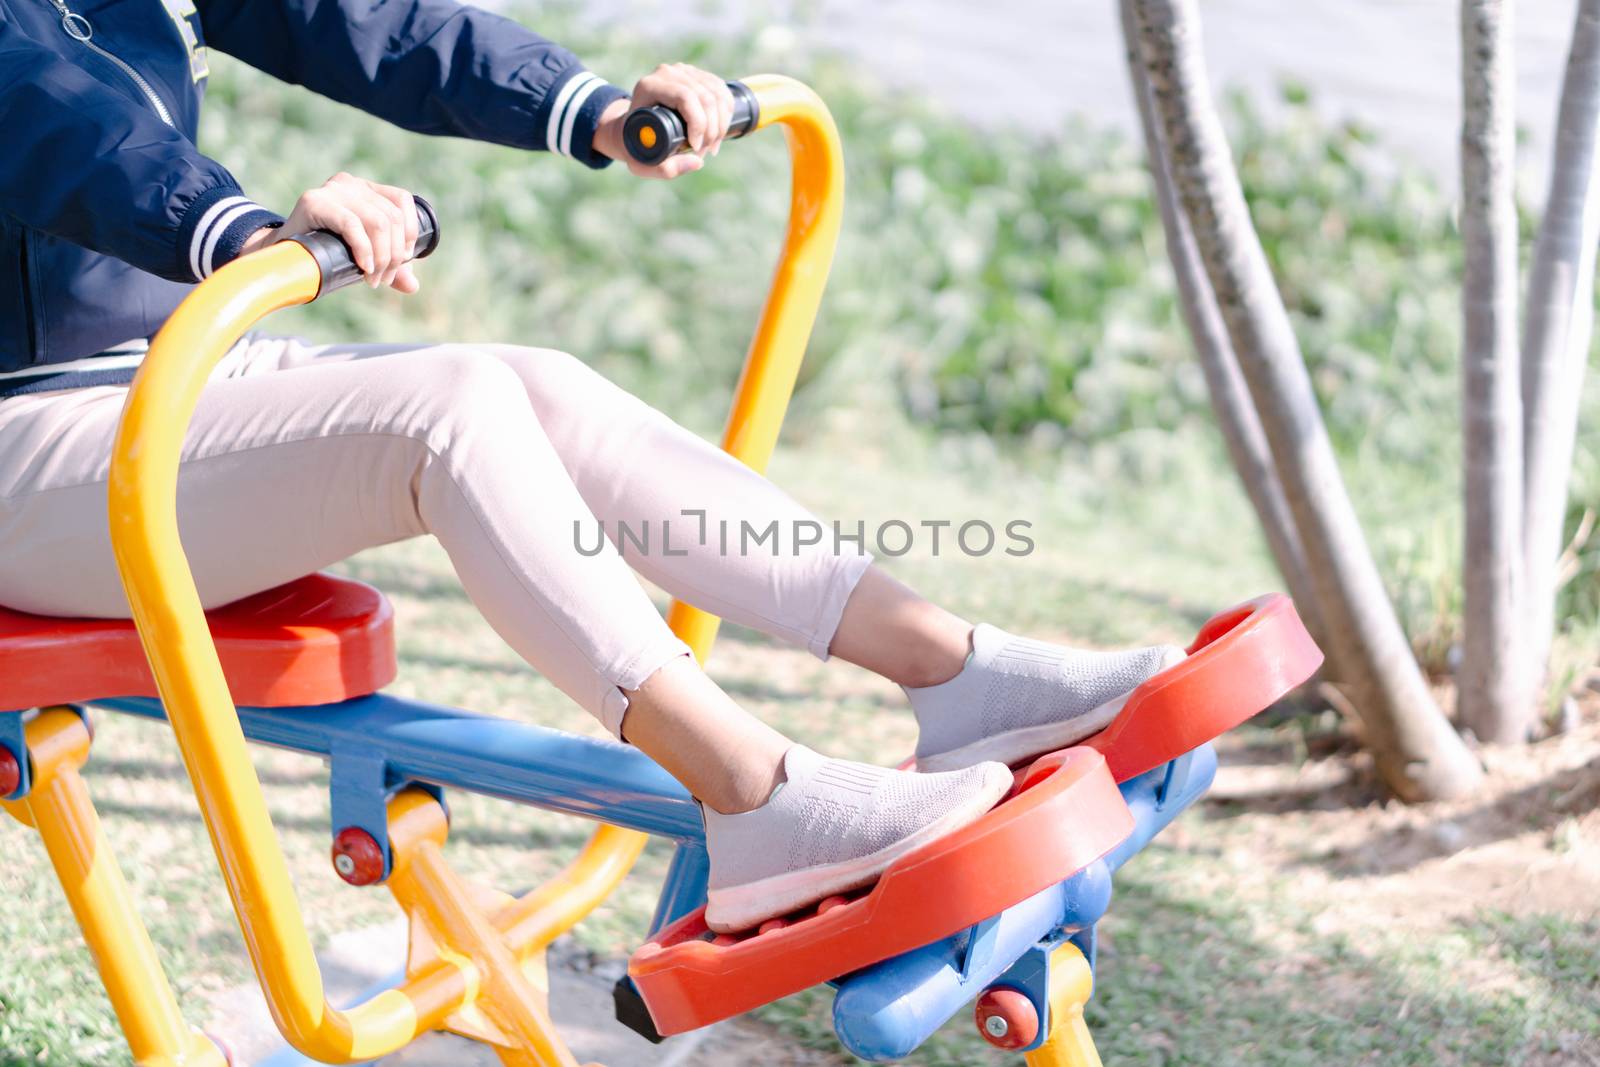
<point x="1056" y="825"/>
<point x="1243" y="661"/>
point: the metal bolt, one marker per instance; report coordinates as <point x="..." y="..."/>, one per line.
<point x="995" y="1026"/>
<point x="344" y="864"/>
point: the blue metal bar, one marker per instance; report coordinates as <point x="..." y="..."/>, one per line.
<point x="602" y="780"/>
<point x="685" y="886"/>
<point x="885" y="1011"/>
<point x="1159" y="796"/>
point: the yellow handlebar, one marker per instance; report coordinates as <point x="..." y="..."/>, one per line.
<point x="172" y="627"/>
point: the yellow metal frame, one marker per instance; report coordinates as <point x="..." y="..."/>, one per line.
<point x="483" y="953"/>
<point x="59" y="808"/>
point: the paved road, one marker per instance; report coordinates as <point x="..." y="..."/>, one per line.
<point x="1393" y="64"/>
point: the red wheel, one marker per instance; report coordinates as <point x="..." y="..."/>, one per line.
<point x="10" y="772"/>
<point x="356" y="856"/>
<point x="1006" y="1018"/>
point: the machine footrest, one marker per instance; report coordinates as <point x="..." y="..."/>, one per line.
<point x="1050" y="828"/>
<point x="1242" y="662"/>
<point x="1063" y="815"/>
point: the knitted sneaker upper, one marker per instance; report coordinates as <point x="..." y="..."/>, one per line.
<point x="830" y="811"/>
<point x="1011" y="683"/>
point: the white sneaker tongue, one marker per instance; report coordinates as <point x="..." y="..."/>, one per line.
<point x="811" y="775"/>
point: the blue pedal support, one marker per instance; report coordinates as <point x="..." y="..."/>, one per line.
<point x="885" y="1011"/>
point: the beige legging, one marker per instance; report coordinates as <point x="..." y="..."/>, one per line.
<point x="514" y="458"/>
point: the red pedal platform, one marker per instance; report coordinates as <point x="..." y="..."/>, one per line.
<point x="1039" y="836"/>
<point x="1066" y="812"/>
<point x="318" y="640"/>
<point x="1243" y="661"/>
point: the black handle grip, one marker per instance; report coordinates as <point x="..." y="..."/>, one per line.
<point x="652" y="134"/>
<point x="339" y="266"/>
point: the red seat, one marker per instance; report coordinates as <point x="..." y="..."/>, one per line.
<point x="318" y="640"/>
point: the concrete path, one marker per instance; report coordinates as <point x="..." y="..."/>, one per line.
<point x="1392" y="64"/>
<point x="580" y="1002"/>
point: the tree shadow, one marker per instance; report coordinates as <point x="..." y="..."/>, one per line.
<point x="1168" y="956"/>
<point x="1536" y="807"/>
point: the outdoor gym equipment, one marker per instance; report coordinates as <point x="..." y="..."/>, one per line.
<point x="1003" y="911"/>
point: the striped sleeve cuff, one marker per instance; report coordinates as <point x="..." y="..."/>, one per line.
<point x="575" y="108"/>
<point x="215" y="228"/>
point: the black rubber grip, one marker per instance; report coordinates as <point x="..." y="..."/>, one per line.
<point x="652" y="134"/>
<point x="338" y="266"/>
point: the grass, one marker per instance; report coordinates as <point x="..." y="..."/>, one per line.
<point x="1218" y="949"/>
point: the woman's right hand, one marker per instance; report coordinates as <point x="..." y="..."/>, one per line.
<point x="377" y="222"/>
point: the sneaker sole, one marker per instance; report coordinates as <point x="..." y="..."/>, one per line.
<point x="742" y="907"/>
<point x="1014" y="746"/>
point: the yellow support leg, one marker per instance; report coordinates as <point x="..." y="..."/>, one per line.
<point x="1069" y="1043"/>
<point x="507" y="1009"/>
<point x="59" y="808"/>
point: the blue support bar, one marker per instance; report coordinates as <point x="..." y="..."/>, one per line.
<point x="358" y="794"/>
<point x="602" y="780"/>
<point x="1155" y="801"/>
<point x="685" y="886"/>
<point x="885" y="1011"/>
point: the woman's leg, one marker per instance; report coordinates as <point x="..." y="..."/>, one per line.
<point x="286" y="473"/>
<point x="685" y="514"/>
<point x="977" y="692"/>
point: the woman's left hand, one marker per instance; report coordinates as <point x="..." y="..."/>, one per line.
<point x="702" y="98"/>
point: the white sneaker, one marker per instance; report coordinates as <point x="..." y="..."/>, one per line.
<point x="1017" y="698"/>
<point x="833" y="826"/>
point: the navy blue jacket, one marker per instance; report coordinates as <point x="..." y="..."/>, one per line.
<point x="108" y="211"/>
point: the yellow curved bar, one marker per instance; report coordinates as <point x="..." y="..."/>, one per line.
<point x="816" y="209"/>
<point x="172" y="627"/>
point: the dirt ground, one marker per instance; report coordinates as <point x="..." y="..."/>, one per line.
<point x="1527" y="842"/>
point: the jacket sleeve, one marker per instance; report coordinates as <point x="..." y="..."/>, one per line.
<point x="432" y="66"/>
<point x="88" y="164"/>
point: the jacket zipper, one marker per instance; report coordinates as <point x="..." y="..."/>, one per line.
<point x="79" y="29"/>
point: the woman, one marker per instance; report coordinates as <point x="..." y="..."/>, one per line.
<point x="301" y="455"/>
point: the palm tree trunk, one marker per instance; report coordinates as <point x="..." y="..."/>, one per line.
<point x="1556" y="332"/>
<point x="1494" y="697"/>
<point x="1416" y="751"/>
<point x="1230" y="396"/>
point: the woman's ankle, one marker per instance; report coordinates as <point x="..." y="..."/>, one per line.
<point x="730" y="760"/>
<point x="890" y="630"/>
